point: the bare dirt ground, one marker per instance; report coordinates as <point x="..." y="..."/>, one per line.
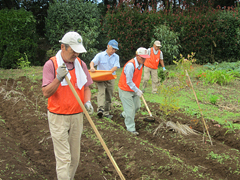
<point x="26" y="150"/>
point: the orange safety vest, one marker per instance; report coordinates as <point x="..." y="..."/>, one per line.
<point x="153" y="61"/>
<point x="63" y="100"/>
<point x="137" y="75"/>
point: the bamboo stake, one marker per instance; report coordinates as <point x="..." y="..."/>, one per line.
<point x="199" y="107"/>
<point x="95" y="129"/>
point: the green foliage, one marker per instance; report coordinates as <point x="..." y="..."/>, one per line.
<point x="170" y="101"/>
<point x="213" y="34"/>
<point x="18" y="37"/>
<point x="169" y="41"/>
<point x="185" y="64"/>
<point x="221" y="77"/>
<point x="162" y="74"/>
<point x="234" y="67"/>
<point x="228" y="23"/>
<point x="50" y="53"/>
<point x="219" y="157"/>
<point x="23" y="62"/>
<point x="130" y="27"/>
<point x="213" y="99"/>
<point x="80" y="16"/>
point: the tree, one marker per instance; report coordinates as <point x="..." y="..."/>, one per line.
<point x="74" y="15"/>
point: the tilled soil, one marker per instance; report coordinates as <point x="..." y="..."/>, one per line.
<point x="26" y="150"/>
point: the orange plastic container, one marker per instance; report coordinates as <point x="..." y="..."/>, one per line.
<point x="102" y="75"/>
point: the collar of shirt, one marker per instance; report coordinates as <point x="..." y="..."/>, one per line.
<point x="106" y="54"/>
<point x="70" y="65"/>
<point x="154" y="51"/>
<point x="137" y="64"/>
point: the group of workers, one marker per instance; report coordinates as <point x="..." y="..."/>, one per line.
<point x="65" y="116"/>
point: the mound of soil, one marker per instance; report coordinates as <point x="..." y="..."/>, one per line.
<point x="161" y="151"/>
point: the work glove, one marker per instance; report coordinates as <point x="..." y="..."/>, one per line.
<point x="139" y="93"/>
<point x="164" y="69"/>
<point x="61" y="72"/>
<point x="89" y="107"/>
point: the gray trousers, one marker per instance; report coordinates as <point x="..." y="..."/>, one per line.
<point x="131" y="104"/>
<point x="150" y="72"/>
<point x="105" y="94"/>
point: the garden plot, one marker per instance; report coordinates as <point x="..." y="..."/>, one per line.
<point x="26" y="150"/>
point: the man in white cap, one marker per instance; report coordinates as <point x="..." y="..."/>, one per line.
<point x="65" y="115"/>
<point x="106" y="60"/>
<point x="128" y="88"/>
<point x="151" y="66"/>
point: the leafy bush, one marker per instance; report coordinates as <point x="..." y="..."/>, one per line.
<point x="228" y="23"/>
<point x="213" y="34"/>
<point x="80" y="16"/>
<point x="18" y="36"/>
<point x="130" y="27"/>
<point x="221" y="77"/>
<point x="169" y="41"/>
<point x="234" y="67"/>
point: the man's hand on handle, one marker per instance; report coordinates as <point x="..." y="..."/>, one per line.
<point x="89" y="107"/>
<point x="139" y="93"/>
<point x="61" y="72"/>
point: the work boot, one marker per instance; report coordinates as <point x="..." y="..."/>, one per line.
<point x="100" y="113"/>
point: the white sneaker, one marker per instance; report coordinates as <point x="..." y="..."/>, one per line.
<point x="134" y="133"/>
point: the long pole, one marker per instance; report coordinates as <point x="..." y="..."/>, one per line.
<point x="199" y="107"/>
<point x="95" y="129"/>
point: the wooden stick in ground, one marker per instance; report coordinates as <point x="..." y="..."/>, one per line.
<point x="199" y="107"/>
<point x="146" y="106"/>
<point x="95" y="129"/>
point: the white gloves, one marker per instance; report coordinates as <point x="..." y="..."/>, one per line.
<point x="61" y="72"/>
<point x="139" y="93"/>
<point x="164" y="69"/>
<point x="89" y="107"/>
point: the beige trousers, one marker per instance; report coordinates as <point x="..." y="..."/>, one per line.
<point x="105" y="94"/>
<point x="66" y="131"/>
<point x="150" y="72"/>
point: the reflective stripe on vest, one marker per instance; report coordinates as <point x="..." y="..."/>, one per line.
<point x="137" y="75"/>
<point x="63" y="100"/>
<point x="153" y="61"/>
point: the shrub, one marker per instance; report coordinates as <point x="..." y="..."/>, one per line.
<point x="222" y="77"/>
<point x="130" y="27"/>
<point x="18" y="36"/>
<point x="169" y="40"/>
<point x="80" y="16"/>
<point x="228" y="23"/>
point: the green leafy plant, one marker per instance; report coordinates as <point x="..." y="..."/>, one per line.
<point x="170" y="100"/>
<point x="230" y="127"/>
<point x="18" y="37"/>
<point x="169" y="40"/>
<point x="221" y="77"/>
<point x="162" y="74"/>
<point x="80" y="16"/>
<point x="213" y="99"/>
<point x="23" y="63"/>
<point x="2" y="120"/>
<point x="185" y="63"/>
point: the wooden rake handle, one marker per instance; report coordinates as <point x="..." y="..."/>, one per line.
<point x="95" y="129"/>
<point x="146" y="106"/>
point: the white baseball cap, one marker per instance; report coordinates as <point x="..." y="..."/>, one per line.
<point x="158" y="43"/>
<point x="74" y="40"/>
<point x="142" y="52"/>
